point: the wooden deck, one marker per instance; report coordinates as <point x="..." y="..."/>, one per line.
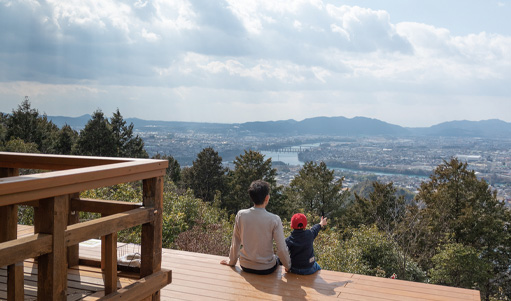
<point x="200" y="277"/>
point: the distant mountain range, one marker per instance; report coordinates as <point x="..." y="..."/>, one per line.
<point x="331" y="126"/>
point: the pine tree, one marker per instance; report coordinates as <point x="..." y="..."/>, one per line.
<point x="316" y="191"/>
<point x="461" y="209"/>
<point x="3" y="128"/>
<point x="26" y="124"/>
<point x="383" y="207"/>
<point x="174" y="169"/>
<point x="114" y="138"/>
<point x="127" y="145"/>
<point x="66" y="140"/>
<point x="207" y="176"/>
<point x="97" y="138"/>
<point x="249" y="167"/>
<point x="23" y="124"/>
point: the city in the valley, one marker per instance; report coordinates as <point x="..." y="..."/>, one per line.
<point x="405" y="161"/>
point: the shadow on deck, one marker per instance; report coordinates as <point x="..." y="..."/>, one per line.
<point x="198" y="276"/>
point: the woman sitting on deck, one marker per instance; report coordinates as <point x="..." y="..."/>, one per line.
<point x="255" y="229"/>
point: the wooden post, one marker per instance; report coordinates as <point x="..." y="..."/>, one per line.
<point x="73" y="255"/>
<point x="152" y="232"/>
<point x="9" y="231"/>
<point x="103" y="249"/>
<point x="110" y="259"/>
<point x="52" y="267"/>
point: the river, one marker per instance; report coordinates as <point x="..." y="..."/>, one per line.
<point x="292" y="159"/>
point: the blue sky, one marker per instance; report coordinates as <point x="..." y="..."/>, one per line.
<point x="406" y="62"/>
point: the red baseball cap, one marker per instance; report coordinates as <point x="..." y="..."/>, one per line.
<point x="297" y="219"/>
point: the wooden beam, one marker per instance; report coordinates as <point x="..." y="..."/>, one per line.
<point x="9" y="226"/>
<point x="9" y="172"/>
<point x="110" y="259"/>
<point x="73" y="251"/>
<point x="151" y="240"/>
<point x="105" y="225"/>
<point x="142" y="288"/>
<point x="53" y="162"/>
<point x="80" y="185"/>
<point x="8" y="214"/>
<point x="26" y="247"/>
<point x="79" y="175"/>
<point x="52" y="267"/>
<point x="31" y="203"/>
<point x="15" y="282"/>
<point x="8" y="222"/>
<point x="102" y="206"/>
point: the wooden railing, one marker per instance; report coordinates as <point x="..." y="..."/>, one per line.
<point x="54" y="194"/>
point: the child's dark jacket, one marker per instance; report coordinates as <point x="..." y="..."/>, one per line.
<point x="300" y="244"/>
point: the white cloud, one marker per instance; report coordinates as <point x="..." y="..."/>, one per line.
<point x="321" y="74"/>
<point x="91" y="13"/>
<point x="150" y="36"/>
<point x="288" y="53"/>
<point x="140" y="4"/>
<point x="174" y="15"/>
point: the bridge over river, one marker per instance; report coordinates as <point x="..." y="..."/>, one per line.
<point x="291" y="149"/>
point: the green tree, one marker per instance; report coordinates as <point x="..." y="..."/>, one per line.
<point x="22" y="124"/>
<point x="66" y="140"/>
<point x="460" y="208"/>
<point x="17" y="145"/>
<point x="315" y="191"/>
<point x="207" y="176"/>
<point x="365" y="187"/>
<point x="368" y="251"/>
<point x="97" y="138"/>
<point x="26" y="124"/>
<point x="174" y="169"/>
<point x="249" y="167"/>
<point x="3" y="128"/>
<point x="387" y="210"/>
<point x="383" y="208"/>
<point x="105" y="138"/>
<point x="127" y="145"/>
<point x="459" y="265"/>
<point x="49" y="135"/>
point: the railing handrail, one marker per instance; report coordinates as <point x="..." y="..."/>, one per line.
<point x="20" y="189"/>
<point x="55" y="162"/>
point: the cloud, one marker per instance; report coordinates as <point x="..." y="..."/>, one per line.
<point x="112" y="42"/>
<point x="366" y="30"/>
<point x="240" y="52"/>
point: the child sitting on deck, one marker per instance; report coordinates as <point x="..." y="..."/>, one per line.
<point x="300" y="244"/>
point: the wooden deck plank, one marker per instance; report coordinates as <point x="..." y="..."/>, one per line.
<point x="86" y="276"/>
<point x="413" y="289"/>
<point x="210" y="273"/>
<point x="404" y="283"/>
<point x="205" y="270"/>
<point x="198" y="276"/>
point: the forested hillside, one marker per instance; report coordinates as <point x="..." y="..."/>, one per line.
<point x="453" y="232"/>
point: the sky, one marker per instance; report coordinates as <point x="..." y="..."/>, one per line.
<point x="412" y="63"/>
